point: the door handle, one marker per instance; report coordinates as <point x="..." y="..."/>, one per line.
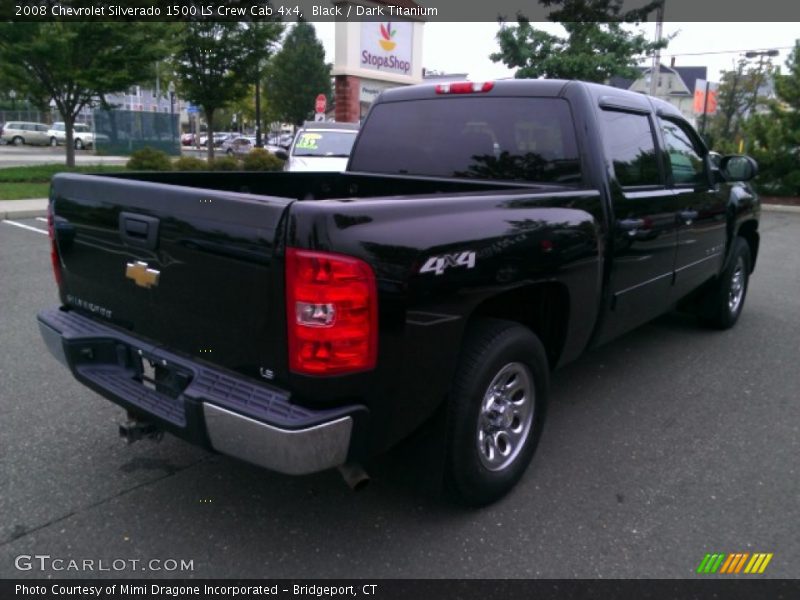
<point x="687" y="216"/>
<point x="138" y="230"/>
<point x="631" y="226"/>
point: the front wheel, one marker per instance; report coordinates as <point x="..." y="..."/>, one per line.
<point x="724" y="302"/>
<point x="53" y="142"/>
<point x="495" y="411"/>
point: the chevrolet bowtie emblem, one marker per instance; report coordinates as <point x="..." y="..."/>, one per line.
<point x="141" y="274"/>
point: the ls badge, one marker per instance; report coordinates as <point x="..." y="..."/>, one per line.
<point x="141" y="274"/>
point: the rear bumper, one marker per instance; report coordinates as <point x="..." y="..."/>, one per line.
<point x="216" y="408"/>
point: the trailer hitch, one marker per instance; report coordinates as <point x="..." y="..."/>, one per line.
<point x="135" y="429"/>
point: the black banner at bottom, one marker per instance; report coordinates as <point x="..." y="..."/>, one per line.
<point x="405" y="589"/>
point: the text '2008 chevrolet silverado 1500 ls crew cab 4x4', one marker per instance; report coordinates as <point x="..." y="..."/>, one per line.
<point x="482" y="235"/>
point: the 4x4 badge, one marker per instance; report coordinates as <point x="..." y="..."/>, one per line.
<point x="141" y="274"/>
<point x="438" y="264"/>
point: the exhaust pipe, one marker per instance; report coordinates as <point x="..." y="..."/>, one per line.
<point x="354" y="476"/>
<point x="135" y="429"/>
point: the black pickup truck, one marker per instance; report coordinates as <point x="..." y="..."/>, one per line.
<point x="482" y="235"/>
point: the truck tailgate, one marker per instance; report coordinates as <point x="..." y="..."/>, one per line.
<point x="191" y="269"/>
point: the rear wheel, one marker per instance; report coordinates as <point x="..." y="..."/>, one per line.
<point x="17" y="141"/>
<point x="495" y="411"/>
<point x="723" y="303"/>
<point x="79" y="144"/>
<point x="53" y="141"/>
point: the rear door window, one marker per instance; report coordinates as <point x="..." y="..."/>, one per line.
<point x="630" y="145"/>
<point x="516" y="139"/>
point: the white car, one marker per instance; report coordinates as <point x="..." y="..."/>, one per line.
<point x="321" y="147"/>
<point x="82" y="135"/>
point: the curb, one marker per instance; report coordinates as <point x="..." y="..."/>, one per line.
<point x="23" y="209"/>
<point x="780" y="208"/>
<point x="23" y="214"/>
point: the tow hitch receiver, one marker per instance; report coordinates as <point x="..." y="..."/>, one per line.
<point x="134" y="429"/>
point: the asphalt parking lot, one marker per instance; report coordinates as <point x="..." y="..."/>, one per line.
<point x="672" y="442"/>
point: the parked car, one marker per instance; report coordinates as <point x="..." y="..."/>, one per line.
<point x="25" y="132"/>
<point x="320" y="147"/>
<point x="283" y="140"/>
<point x="82" y="136"/>
<point x="187" y="139"/>
<point x="238" y="145"/>
<point x="482" y="236"/>
<point x="2" y="141"/>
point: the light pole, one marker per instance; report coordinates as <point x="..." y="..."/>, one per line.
<point x="757" y="84"/>
<point x="259" y="142"/>
<point x="171" y="89"/>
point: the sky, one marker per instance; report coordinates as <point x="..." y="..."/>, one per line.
<point x="465" y="47"/>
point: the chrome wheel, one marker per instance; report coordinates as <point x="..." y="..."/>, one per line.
<point x="736" y="291"/>
<point x="504" y="422"/>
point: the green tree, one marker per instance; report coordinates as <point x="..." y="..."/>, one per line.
<point x="733" y="97"/>
<point x="597" y="45"/>
<point x="76" y="64"/>
<point x="296" y="75"/>
<point x="216" y="63"/>
<point x="775" y="134"/>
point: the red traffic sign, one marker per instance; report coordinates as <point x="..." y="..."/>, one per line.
<point x="319" y="105"/>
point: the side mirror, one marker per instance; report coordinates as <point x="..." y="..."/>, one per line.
<point x="737" y="167"/>
<point x="282" y="154"/>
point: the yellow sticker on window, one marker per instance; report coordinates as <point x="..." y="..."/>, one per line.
<point x="308" y="141"/>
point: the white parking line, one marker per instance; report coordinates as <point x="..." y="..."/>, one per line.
<point x="41" y="219"/>
<point x="36" y="229"/>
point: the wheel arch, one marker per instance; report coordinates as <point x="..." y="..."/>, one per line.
<point x="541" y="307"/>
<point x="749" y="232"/>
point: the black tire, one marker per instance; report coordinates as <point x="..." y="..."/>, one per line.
<point x="229" y="152"/>
<point x="491" y="347"/>
<point x="53" y="142"/>
<point x="720" y="307"/>
<point x="78" y="144"/>
<point x="18" y="141"/>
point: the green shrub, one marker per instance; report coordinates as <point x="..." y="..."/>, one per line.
<point x="259" y="159"/>
<point x="149" y="159"/>
<point x="190" y="163"/>
<point x="225" y="163"/>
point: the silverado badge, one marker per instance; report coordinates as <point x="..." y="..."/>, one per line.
<point x="141" y="274"/>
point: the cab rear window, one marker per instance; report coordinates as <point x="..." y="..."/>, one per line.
<point x="517" y="139"/>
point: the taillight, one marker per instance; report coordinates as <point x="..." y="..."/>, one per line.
<point x="464" y="87"/>
<point x="332" y="313"/>
<point x="55" y="259"/>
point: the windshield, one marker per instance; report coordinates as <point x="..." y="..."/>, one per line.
<point x="324" y="143"/>
<point x="517" y="139"/>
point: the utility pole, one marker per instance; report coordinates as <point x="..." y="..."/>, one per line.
<point x="655" y="71"/>
<point x="757" y="83"/>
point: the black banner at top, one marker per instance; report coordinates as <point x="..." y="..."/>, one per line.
<point x="361" y="10"/>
